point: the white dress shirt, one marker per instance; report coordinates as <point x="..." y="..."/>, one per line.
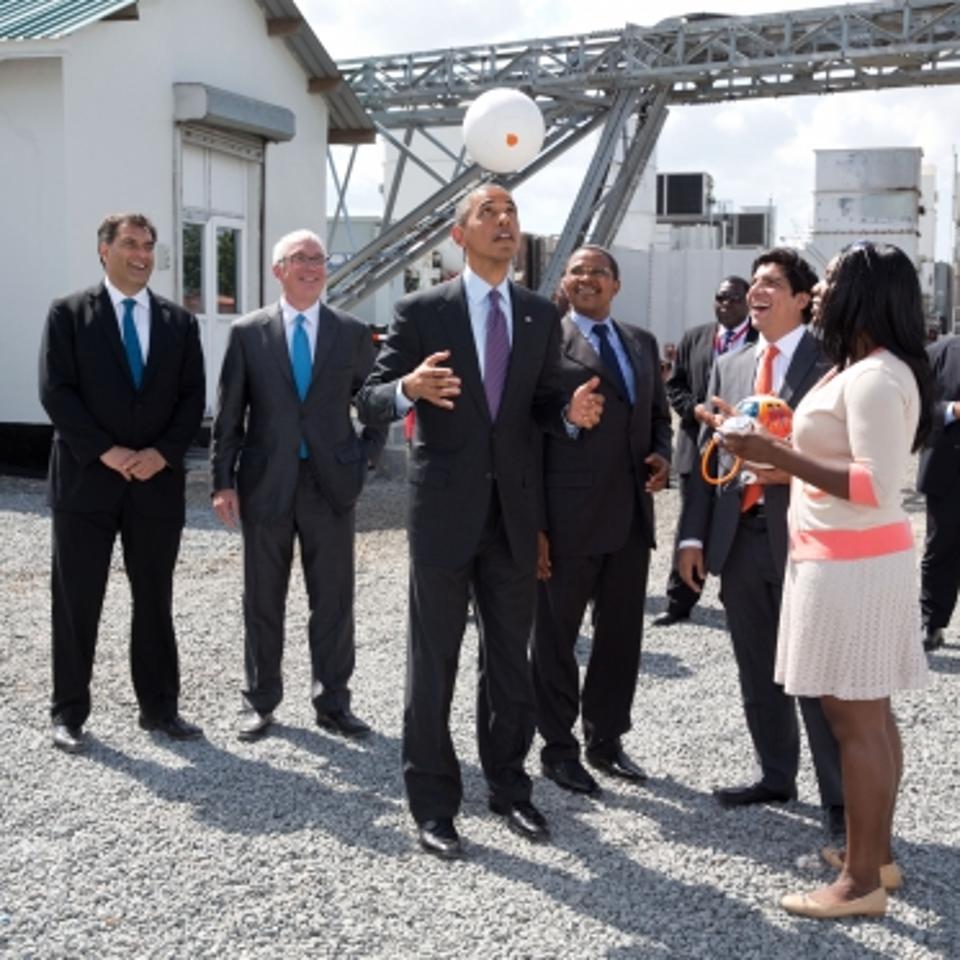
<point x="311" y="323"/>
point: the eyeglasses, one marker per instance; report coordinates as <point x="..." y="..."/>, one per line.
<point x="728" y="298"/>
<point x="590" y="272"/>
<point x="302" y="260"/>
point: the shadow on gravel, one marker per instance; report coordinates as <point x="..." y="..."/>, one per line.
<point x="675" y="918"/>
<point x="245" y="795"/>
<point x="694" y="919"/>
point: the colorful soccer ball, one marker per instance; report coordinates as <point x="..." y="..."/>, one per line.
<point x="771" y="413"/>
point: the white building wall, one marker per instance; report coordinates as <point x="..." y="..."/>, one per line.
<point x="33" y="241"/>
<point x="870" y="194"/>
<point x="110" y="144"/>
<point x="670" y="291"/>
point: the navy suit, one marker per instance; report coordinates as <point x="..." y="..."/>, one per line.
<point x="88" y="392"/>
<point x="938" y="478"/>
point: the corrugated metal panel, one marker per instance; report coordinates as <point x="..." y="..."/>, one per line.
<point x="49" y="19"/>
<point x="346" y="113"/>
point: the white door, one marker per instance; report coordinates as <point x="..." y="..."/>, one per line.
<point x="219" y="238"/>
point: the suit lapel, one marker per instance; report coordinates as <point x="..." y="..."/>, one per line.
<point x="159" y="339"/>
<point x="104" y="316"/>
<point x="798" y="373"/>
<point x="328" y="329"/>
<point x="635" y="354"/>
<point x="578" y="349"/>
<point x="455" y="318"/>
<point x="277" y="340"/>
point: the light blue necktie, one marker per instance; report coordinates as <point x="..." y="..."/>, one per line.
<point x="302" y="366"/>
<point x="131" y="342"/>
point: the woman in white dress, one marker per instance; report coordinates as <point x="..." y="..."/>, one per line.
<point x="849" y="618"/>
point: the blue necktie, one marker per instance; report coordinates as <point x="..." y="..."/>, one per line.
<point x="302" y="366"/>
<point x="131" y="342"/>
<point x="610" y="361"/>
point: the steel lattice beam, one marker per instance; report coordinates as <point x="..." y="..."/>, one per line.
<point x="578" y="80"/>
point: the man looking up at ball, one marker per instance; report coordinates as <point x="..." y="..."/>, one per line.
<point x="478" y="356"/>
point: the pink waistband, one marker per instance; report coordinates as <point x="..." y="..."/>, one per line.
<point x="851" y="544"/>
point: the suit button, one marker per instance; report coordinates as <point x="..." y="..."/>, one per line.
<point x="490" y="476"/>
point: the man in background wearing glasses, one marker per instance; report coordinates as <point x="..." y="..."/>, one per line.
<point x="686" y="388"/>
<point x="288" y="464"/>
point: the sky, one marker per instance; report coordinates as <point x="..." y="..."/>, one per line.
<point x="757" y="153"/>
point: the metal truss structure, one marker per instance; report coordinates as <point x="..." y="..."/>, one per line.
<point x="622" y="83"/>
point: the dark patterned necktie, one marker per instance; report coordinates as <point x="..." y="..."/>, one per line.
<point x="496" y="354"/>
<point x="609" y="359"/>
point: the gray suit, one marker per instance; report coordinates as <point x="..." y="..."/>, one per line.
<point x="749" y="553"/>
<point x="259" y="424"/>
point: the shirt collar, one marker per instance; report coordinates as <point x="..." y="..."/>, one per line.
<point x="477" y="288"/>
<point x="142" y="297"/>
<point x="787" y="344"/>
<point x="586" y="325"/>
<point x="312" y="313"/>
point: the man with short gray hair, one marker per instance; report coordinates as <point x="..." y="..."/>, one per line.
<point x="288" y="465"/>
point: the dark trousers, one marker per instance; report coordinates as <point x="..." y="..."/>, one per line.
<point x="681" y="599"/>
<point x="751" y="589"/>
<point x="618" y="583"/>
<point x="504" y="597"/>
<point x="940" y="567"/>
<point x="82" y="547"/>
<point x="326" y="554"/>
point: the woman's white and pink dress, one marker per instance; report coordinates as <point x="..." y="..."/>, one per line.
<point x="850" y="618"/>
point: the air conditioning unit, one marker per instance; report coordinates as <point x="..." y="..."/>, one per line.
<point x="749" y="229"/>
<point x="684" y="196"/>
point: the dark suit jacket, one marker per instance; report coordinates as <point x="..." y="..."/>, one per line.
<point x="458" y="454"/>
<point x="938" y="472"/>
<point x="594" y="483"/>
<point x="711" y="514"/>
<point x="687" y="386"/>
<point x="88" y="392"/>
<point x="260" y="419"/>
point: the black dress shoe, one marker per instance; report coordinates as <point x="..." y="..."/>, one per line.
<point x="342" y="722"/>
<point x="753" y="793"/>
<point x="175" y="727"/>
<point x="571" y="775"/>
<point x="253" y="725"/>
<point x="523" y="818"/>
<point x="669" y="618"/>
<point x="617" y="764"/>
<point x="440" y="838"/>
<point x="933" y="640"/>
<point x="69" y="739"/>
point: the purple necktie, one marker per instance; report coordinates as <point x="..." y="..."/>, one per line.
<point x="496" y="354"/>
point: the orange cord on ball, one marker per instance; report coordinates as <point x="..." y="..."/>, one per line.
<point x="705" y="462"/>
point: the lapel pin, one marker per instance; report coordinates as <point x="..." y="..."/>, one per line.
<point x="528" y="319"/>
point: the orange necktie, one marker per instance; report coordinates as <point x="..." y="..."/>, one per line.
<point x="763" y="384"/>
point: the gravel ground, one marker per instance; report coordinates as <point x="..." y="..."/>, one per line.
<point x="300" y="845"/>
